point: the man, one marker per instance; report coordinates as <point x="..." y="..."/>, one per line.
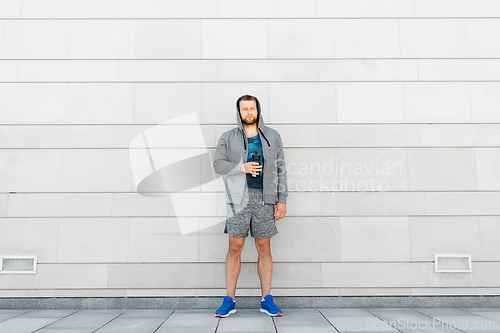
<point x="256" y="195"/>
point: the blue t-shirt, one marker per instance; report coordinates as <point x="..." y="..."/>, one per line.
<point x="254" y="144"/>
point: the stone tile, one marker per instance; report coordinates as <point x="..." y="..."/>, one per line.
<point x="101" y="39"/>
<point x="47" y="313"/>
<point x="373" y="8"/>
<point x="432" y="38"/>
<point x="375" y="274"/>
<point x="5" y="316"/>
<point x="221" y="38"/>
<point x="132" y="325"/>
<point x="302" y="329"/>
<point x="470" y="323"/>
<point x="367" y="323"/>
<point x="191" y="318"/>
<point x="367" y="38"/>
<point x="289" y="100"/>
<point x="478" y="309"/>
<point x="155" y="40"/>
<point x="458" y="69"/>
<point x="370" y="102"/>
<point x="266" y="9"/>
<point x="484" y="99"/>
<point x="437" y="169"/>
<point x="66" y="330"/>
<point x="36" y="39"/>
<point x="302" y="321"/>
<point x="29" y="235"/>
<point x="429" y="235"/>
<point x="493" y="315"/>
<point x="246" y="320"/>
<point x="166" y="9"/>
<point x="409" y="320"/>
<point x="146" y="313"/>
<point x="387" y="238"/>
<point x="24" y="325"/>
<point x="436" y="102"/>
<point x="442" y="311"/>
<point x="452" y="8"/>
<point x="14" y="311"/>
<point x="69" y="9"/>
<point x="351" y="312"/>
<point x="184" y="330"/>
<point x="371" y="70"/>
<point x="86" y="319"/>
<point x="301" y="38"/>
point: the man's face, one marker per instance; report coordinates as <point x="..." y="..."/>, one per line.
<point x="248" y="112"/>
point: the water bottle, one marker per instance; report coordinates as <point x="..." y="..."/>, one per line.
<point x="255" y="158"/>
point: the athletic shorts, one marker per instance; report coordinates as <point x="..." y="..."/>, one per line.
<point x="251" y="214"/>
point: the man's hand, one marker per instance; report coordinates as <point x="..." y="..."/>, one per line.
<point x="280" y="211"/>
<point x="251" y="167"/>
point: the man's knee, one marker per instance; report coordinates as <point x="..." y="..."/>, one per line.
<point x="263" y="245"/>
<point x="236" y="244"/>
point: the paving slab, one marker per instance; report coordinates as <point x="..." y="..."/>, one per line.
<point x="5" y="316"/>
<point x="307" y="320"/>
<point x="185" y="330"/>
<point x="443" y="311"/>
<point x="24" y="325"/>
<point x="345" y="312"/>
<point x="48" y="313"/>
<point x="191" y="318"/>
<point x="66" y="330"/>
<point x="409" y="320"/>
<point x="356" y="322"/>
<point x="247" y="320"/>
<point x="493" y="315"/>
<point x="471" y="323"/>
<point x="143" y="313"/>
<point x="84" y="319"/>
<point x="132" y="325"/>
<point x="17" y="311"/>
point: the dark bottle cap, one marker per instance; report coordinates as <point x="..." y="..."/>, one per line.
<point x="256" y="157"/>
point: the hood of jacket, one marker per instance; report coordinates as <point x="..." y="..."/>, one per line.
<point x="260" y="122"/>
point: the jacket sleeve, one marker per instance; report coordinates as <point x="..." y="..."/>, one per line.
<point x="280" y="162"/>
<point x="221" y="164"/>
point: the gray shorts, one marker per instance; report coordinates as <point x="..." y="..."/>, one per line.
<point x="253" y="214"/>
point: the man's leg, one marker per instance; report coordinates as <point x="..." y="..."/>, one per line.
<point x="265" y="264"/>
<point x="233" y="263"/>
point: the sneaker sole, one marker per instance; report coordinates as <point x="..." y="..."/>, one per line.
<point x="221" y="316"/>
<point x="272" y="315"/>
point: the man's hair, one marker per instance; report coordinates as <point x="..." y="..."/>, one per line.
<point x="247" y="98"/>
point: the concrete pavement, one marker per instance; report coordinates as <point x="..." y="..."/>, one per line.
<point x="318" y="320"/>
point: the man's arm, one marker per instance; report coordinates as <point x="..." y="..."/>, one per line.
<point x="221" y="164"/>
<point x="280" y="163"/>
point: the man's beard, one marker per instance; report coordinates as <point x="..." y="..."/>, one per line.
<point x="249" y="122"/>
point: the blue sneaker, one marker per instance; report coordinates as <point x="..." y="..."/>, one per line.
<point x="267" y="306"/>
<point x="228" y="306"/>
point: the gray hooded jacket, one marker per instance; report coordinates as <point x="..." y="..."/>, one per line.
<point x="232" y="152"/>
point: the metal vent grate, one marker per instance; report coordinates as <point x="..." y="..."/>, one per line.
<point x="454" y="263"/>
<point x="17" y="264"/>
